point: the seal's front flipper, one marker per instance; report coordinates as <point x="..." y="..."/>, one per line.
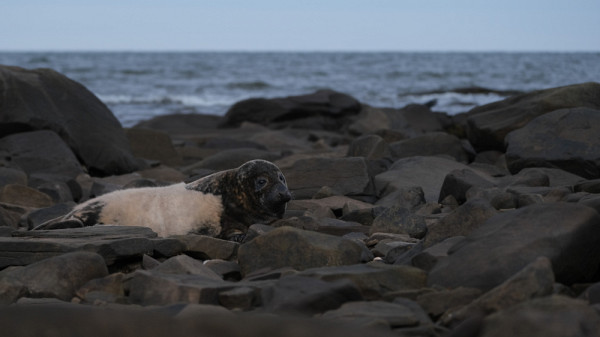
<point x="60" y="224"/>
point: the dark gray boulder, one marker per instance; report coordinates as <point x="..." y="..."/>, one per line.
<point x="409" y="121"/>
<point x="299" y="249"/>
<point x="307" y="295"/>
<point x="43" y="99"/>
<point x="489" y="124"/>
<point x="370" y="147"/>
<point x="65" y="319"/>
<point x="568" y="139"/>
<point x="553" y="316"/>
<point x="323" y="109"/>
<point x="57" y="277"/>
<point x="565" y="233"/>
<point x="427" y="172"/>
<point x="348" y="176"/>
<point x="117" y="244"/>
<point x="430" y="144"/>
<point x="400" y="220"/>
<point x="462" y="221"/>
<point x="41" y="152"/>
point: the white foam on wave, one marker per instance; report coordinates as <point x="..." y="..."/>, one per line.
<point x="184" y="100"/>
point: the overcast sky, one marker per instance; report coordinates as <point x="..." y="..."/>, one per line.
<point x="300" y="25"/>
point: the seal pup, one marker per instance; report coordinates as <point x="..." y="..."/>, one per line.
<point x="223" y="204"/>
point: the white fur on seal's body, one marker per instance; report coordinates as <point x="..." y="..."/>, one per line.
<point x="169" y="210"/>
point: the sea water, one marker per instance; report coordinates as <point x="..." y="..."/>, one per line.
<point x="139" y="86"/>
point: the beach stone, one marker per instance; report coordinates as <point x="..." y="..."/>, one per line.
<point x="374" y="313"/>
<point x="461" y="221"/>
<point x="43" y="99"/>
<point x="149" y="287"/>
<point x="66" y="319"/>
<point x="589" y="186"/>
<point x="499" y="198"/>
<point x="383" y="247"/>
<point x="458" y="182"/>
<point x="430" y="144"/>
<point x="551" y="316"/>
<point x="299" y="249"/>
<point x="161" y="175"/>
<point x="568" y="139"/>
<point x="207" y="248"/>
<point x="323" y="109"/>
<point x="59" y="191"/>
<point x="410" y="197"/>
<point x="24" y="196"/>
<point x="373" y="279"/>
<point x="11" y="214"/>
<point x="181" y="123"/>
<point x="349" y="176"/>
<point x="429" y="256"/>
<point x="239" y="298"/>
<point x="40" y="152"/>
<point x="223" y="143"/>
<point x="154" y="145"/>
<point x="532" y="177"/>
<point x="533" y="281"/>
<point x="370" y="147"/>
<point x="116" y="244"/>
<point x="257" y="230"/>
<point x="592" y="201"/>
<point x="111" y="285"/>
<point x="282" y="141"/>
<point x="563" y="232"/>
<point x="591" y="294"/>
<point x="399" y="220"/>
<point x="5" y="231"/>
<point x="9" y="175"/>
<point x="307" y="295"/>
<point x="438" y="302"/>
<point x="371" y="120"/>
<point x="305" y="222"/>
<point x="41" y="215"/>
<point x="489" y="124"/>
<point x="548" y="194"/>
<point x="418" y="119"/>
<point x="183" y="264"/>
<point x="148" y="262"/>
<point x="337" y="204"/>
<point x="409" y="121"/>
<point x="167" y="247"/>
<point x="339" y="227"/>
<point x="229" y="159"/>
<point x="426" y="172"/>
<point x="57" y="277"/>
<point x="364" y="216"/>
<point x="227" y="270"/>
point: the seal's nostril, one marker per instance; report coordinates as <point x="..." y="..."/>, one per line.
<point x="285" y="196"/>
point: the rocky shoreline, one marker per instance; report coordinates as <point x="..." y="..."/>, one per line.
<point x="404" y="222"/>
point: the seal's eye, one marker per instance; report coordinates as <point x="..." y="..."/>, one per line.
<point x="281" y="178"/>
<point x="260" y="183"/>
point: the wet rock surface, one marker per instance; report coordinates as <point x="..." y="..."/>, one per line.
<point x="404" y="222"/>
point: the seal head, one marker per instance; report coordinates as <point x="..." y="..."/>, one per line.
<point x="255" y="192"/>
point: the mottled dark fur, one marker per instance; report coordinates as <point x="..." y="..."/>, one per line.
<point x="256" y="192"/>
<point x="90" y="215"/>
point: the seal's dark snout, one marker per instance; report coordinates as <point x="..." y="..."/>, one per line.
<point x="284" y="194"/>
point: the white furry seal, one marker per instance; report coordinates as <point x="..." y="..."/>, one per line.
<point x="222" y="205"/>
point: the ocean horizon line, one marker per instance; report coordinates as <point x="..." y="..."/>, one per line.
<point x="283" y="51"/>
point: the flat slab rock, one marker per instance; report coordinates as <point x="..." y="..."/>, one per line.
<point x="112" y="242"/>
